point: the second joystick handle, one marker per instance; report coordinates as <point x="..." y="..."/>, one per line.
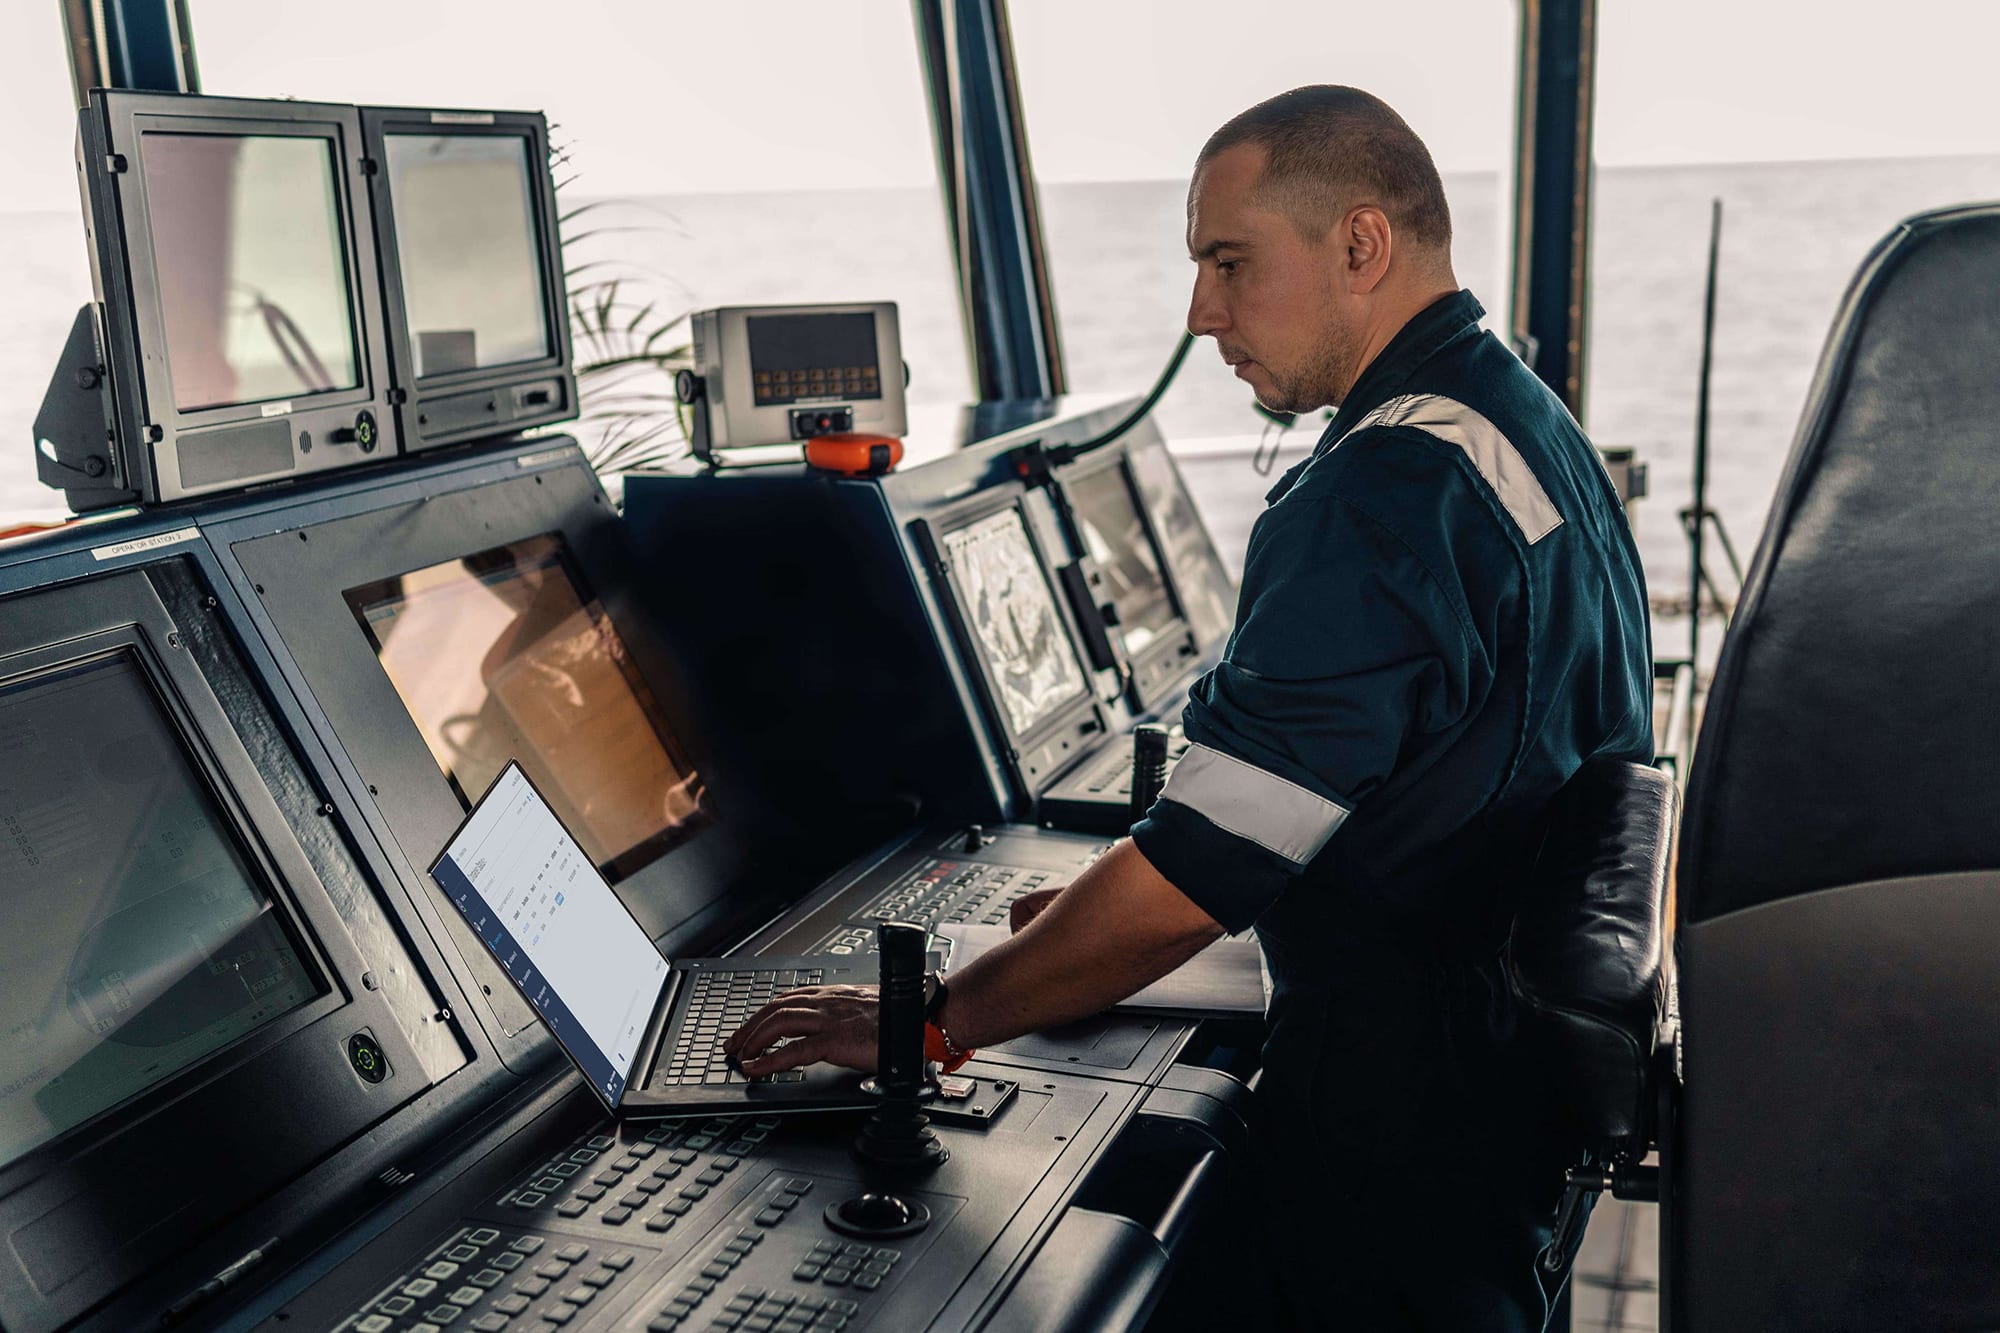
<point x="1149" y="767"/>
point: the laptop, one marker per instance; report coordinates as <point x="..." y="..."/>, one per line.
<point x="646" y="1031"/>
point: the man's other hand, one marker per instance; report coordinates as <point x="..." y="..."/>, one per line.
<point x="837" y="1024"/>
<point x="1029" y="906"/>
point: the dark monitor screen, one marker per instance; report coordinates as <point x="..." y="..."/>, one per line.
<point x="504" y="655"/>
<point x="795" y="357"/>
<point x="140" y="940"/>
<point x="249" y="249"/>
<point x="1128" y="569"/>
<point x="466" y="243"/>
<point x="1011" y="615"/>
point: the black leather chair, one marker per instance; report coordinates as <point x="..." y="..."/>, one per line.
<point x="1835" y="1161"/>
<point x="1585" y="960"/>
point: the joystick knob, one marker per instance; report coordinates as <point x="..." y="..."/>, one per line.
<point x="1149" y="767"/>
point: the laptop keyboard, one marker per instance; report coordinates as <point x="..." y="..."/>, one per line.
<point x="717" y="1006"/>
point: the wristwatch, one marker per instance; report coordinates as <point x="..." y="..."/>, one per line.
<point x="939" y="1048"/>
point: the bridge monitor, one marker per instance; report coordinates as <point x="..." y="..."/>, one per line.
<point x="472" y="278"/>
<point x="994" y="582"/>
<point x="1128" y="578"/>
<point x="238" y="311"/>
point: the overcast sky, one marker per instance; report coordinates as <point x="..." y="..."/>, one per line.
<point x="680" y="96"/>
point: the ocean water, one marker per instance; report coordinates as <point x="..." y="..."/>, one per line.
<point x="1794" y="234"/>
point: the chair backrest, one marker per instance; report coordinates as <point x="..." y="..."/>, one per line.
<point x="1586" y="952"/>
<point x="1832" y="1162"/>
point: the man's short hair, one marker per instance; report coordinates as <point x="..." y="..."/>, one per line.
<point x="1333" y="148"/>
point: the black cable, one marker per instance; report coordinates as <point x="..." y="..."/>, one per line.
<point x="1068" y="453"/>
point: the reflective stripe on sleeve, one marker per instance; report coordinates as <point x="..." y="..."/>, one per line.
<point x="1276" y="814"/>
<point x="1512" y="480"/>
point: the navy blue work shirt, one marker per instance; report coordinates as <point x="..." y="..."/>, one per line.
<point x="1442" y="616"/>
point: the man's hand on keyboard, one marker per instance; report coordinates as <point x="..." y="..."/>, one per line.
<point x="837" y="1024"/>
<point x="1029" y="906"/>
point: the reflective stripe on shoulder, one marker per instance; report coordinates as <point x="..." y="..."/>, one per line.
<point x="1277" y="814"/>
<point x="1491" y="452"/>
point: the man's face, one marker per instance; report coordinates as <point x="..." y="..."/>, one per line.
<point x="1273" y="301"/>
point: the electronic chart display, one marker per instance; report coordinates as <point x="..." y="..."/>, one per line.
<point x="140" y="940"/>
<point x="1128" y="569"/>
<point x="247" y="239"/>
<point x="467" y="245"/>
<point x="502" y="655"/>
<point x="1011" y="615"/>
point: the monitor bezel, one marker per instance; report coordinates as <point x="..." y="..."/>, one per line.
<point x="149" y="422"/>
<point x="1152" y="674"/>
<point x="49" y="630"/>
<point x="516" y="378"/>
<point x="1039" y="754"/>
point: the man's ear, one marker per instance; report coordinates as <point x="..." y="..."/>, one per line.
<point x="1367" y="245"/>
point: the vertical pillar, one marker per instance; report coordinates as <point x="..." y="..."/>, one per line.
<point x="1552" y="179"/>
<point x="991" y="202"/>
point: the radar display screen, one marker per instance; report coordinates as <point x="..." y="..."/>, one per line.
<point x="1128" y="569"/>
<point x="466" y="244"/>
<point x="250" y="255"/>
<point x="799" y="358"/>
<point x="1007" y="606"/>
<point x="501" y="655"/>
<point x="1206" y="589"/>
<point x="140" y="939"/>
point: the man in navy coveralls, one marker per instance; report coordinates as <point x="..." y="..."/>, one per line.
<point x="1442" y="616"/>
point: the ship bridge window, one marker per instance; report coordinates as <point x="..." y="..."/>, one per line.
<point x="1818" y="136"/>
<point x="1119" y="97"/>
<point x="44" y="263"/>
<point x="711" y="155"/>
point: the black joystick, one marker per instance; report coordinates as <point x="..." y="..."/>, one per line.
<point x="1149" y="767"/>
<point x="898" y="1134"/>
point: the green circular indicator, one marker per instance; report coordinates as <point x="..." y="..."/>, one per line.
<point x="367" y="1058"/>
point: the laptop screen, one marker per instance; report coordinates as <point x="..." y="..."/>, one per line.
<point x="553" y="922"/>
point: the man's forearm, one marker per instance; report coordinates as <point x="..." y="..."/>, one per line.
<point x="1118" y="928"/>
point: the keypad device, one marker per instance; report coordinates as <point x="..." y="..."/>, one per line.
<point x="935" y="892"/>
<point x="645" y="1184"/>
<point x="491" y="1279"/>
<point x="774" y="1266"/>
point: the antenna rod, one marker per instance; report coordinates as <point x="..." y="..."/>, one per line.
<point x="1699" y="516"/>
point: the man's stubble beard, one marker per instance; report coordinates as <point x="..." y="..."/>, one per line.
<point x="1322" y="380"/>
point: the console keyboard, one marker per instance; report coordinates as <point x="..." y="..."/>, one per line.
<point x="651" y="1182"/>
<point x="774" y="1266"/>
<point x="488" y="1279"/>
<point x="934" y="892"/>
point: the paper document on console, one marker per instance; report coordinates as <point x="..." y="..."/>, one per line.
<point x="1226" y="978"/>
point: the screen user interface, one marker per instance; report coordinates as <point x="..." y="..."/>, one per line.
<point x="1128" y="571"/>
<point x="249" y="251"/>
<point x="796" y="358"/>
<point x="1205" y="586"/>
<point x="139" y="939"/>
<point x="501" y="655"/>
<point x="466" y="244"/>
<point x="1012" y="615"/>
<point x="552" y="921"/>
